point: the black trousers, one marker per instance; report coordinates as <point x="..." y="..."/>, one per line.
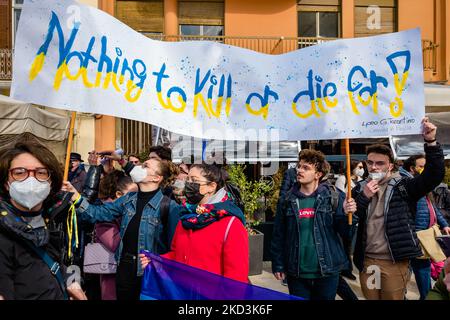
<point x="128" y="284"/>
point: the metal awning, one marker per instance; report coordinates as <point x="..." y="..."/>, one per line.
<point x="405" y="146"/>
<point x="437" y="101"/>
<point x="234" y="151"/>
<point x="17" y="117"/>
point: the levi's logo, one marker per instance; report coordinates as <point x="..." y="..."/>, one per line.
<point x="306" y="213"/>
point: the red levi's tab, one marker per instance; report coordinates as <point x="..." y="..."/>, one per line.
<point x="306" y="213"/>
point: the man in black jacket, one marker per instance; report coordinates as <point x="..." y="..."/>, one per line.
<point x="77" y="173"/>
<point x="386" y="205"/>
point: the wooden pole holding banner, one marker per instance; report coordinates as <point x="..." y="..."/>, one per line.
<point x="349" y="176"/>
<point x="69" y="145"/>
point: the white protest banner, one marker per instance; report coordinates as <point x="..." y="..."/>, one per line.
<point x="78" y="58"/>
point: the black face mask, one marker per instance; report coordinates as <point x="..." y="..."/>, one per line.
<point x="192" y="192"/>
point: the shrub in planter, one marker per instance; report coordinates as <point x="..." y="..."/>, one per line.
<point x="251" y="194"/>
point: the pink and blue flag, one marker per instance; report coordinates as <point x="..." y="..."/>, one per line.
<point x="166" y="279"/>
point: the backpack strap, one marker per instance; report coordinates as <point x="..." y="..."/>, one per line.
<point x="334" y="193"/>
<point x="51" y="264"/>
<point x="164" y="208"/>
<point x="228" y="228"/>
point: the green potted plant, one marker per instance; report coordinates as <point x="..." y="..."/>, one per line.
<point x="271" y="202"/>
<point x="447" y="176"/>
<point x="252" y="195"/>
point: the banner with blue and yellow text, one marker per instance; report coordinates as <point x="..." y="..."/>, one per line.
<point x="75" y="57"/>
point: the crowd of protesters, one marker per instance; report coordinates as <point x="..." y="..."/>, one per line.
<point x="190" y="214"/>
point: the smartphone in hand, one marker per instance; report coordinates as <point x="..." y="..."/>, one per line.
<point x="444" y="242"/>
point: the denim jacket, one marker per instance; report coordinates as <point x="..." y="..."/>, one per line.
<point x="327" y="224"/>
<point x="151" y="235"/>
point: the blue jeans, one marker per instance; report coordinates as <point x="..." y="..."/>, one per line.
<point x="422" y="273"/>
<point x="314" y="289"/>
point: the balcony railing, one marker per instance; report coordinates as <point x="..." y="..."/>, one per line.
<point x="5" y="64"/>
<point x="269" y="45"/>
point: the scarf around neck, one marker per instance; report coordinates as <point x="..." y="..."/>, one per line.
<point x="202" y="215"/>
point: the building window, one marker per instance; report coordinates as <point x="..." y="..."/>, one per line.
<point x="16" y="11"/>
<point x="318" y="24"/>
<point x="318" y="20"/>
<point x="146" y="16"/>
<point x="135" y="136"/>
<point x="205" y="13"/>
<point x="201" y="30"/>
<point x="375" y="17"/>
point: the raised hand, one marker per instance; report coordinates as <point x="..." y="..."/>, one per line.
<point x="68" y="187"/>
<point x="428" y="130"/>
<point x="94" y="159"/>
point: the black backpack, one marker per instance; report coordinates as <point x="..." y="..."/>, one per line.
<point x="441" y="197"/>
<point x="164" y="208"/>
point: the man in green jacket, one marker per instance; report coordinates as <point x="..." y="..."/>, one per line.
<point x="441" y="290"/>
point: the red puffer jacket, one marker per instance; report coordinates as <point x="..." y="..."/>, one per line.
<point x="205" y="248"/>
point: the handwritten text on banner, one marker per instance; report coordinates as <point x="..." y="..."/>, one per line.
<point x="76" y="57"/>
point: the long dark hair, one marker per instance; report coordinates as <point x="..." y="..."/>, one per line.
<point x="212" y="173"/>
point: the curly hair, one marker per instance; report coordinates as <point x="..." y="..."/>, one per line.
<point x="317" y="159"/>
<point x="114" y="181"/>
<point x="168" y="170"/>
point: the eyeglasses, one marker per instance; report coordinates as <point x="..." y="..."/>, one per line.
<point x="190" y="180"/>
<point x="378" y="164"/>
<point x="136" y="162"/>
<point x="20" y="174"/>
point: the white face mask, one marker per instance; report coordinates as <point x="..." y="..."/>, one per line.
<point x="138" y="174"/>
<point x="377" y="175"/>
<point x="179" y="184"/>
<point x="358" y="172"/>
<point x="29" y="192"/>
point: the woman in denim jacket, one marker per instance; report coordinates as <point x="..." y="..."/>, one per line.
<point x="142" y="226"/>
